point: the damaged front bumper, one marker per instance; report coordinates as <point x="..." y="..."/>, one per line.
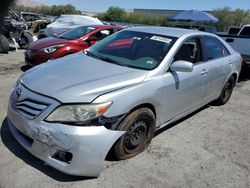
<point x="74" y="150"/>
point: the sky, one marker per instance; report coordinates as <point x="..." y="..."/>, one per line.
<point x="103" y="5"/>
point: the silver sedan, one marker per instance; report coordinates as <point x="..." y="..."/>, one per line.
<point x="72" y="111"/>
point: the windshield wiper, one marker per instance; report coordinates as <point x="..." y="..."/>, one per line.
<point x="113" y="61"/>
<point x="107" y="59"/>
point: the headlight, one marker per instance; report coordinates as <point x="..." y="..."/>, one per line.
<point x="52" y="49"/>
<point x="16" y="85"/>
<point x="78" y="113"/>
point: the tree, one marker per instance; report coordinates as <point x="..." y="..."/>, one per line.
<point x="228" y="17"/>
<point x="55" y="10"/>
<point x="115" y="14"/>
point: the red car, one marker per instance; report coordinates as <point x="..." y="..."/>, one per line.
<point x="67" y="43"/>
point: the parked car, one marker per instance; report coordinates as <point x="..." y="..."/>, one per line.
<point x="67" y="43"/>
<point x="67" y="22"/>
<point x="13" y="29"/>
<point x="233" y="30"/>
<point x="205" y="28"/>
<point x="240" y="42"/>
<point x="36" y="22"/>
<point x="116" y="94"/>
<point x="31" y="16"/>
<point x="33" y="21"/>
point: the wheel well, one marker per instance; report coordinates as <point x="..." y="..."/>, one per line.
<point x="145" y="105"/>
<point x="235" y="77"/>
<point x="110" y="154"/>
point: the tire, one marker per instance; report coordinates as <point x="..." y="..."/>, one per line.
<point x="24" y="40"/>
<point x="140" y="128"/>
<point x="42" y="34"/>
<point x="226" y="91"/>
<point x="4" y="44"/>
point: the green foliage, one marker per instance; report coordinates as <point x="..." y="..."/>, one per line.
<point x="113" y="14"/>
<point x="228" y="17"/>
<point x="55" y="10"/>
<point x="117" y="14"/>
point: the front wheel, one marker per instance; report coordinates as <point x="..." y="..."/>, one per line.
<point x="140" y="128"/>
<point x="226" y="91"/>
<point x="24" y="40"/>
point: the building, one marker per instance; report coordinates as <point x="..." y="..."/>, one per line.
<point x="157" y="12"/>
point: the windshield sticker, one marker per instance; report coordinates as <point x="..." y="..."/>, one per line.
<point x="150" y="62"/>
<point x="161" y="39"/>
<point x="136" y="38"/>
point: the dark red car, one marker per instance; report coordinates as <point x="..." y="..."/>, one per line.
<point x="67" y="43"/>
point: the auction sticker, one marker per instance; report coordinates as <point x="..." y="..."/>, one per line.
<point x="161" y="39"/>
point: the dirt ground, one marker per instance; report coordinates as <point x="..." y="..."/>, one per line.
<point x="210" y="148"/>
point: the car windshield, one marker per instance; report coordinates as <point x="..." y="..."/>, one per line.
<point x="133" y="49"/>
<point x="76" y="33"/>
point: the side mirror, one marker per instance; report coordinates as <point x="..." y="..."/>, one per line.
<point x="182" y="66"/>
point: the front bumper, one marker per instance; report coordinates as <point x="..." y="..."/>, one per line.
<point x="88" y="145"/>
<point x="36" y="57"/>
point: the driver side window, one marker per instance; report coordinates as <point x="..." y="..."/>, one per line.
<point x="189" y="51"/>
<point x="103" y="34"/>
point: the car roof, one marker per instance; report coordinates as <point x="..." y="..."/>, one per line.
<point x="170" y="31"/>
<point x="100" y="26"/>
<point x="108" y="26"/>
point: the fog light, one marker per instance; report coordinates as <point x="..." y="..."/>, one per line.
<point x="63" y="156"/>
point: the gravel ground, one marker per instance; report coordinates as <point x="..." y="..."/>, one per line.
<point x="209" y="148"/>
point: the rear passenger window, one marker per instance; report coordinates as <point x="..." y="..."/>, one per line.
<point x="214" y="48"/>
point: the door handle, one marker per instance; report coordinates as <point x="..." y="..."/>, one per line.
<point x="230" y="62"/>
<point x="204" y="71"/>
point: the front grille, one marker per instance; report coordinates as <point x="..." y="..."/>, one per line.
<point x="30" y="108"/>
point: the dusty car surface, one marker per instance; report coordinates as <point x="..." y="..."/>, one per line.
<point x="116" y="94"/>
<point x="67" y="22"/>
<point x="67" y="43"/>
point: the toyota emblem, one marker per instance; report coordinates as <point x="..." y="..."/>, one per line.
<point x="18" y="92"/>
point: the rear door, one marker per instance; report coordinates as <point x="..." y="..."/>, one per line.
<point x="218" y="66"/>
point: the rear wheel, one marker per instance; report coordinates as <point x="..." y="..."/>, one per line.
<point x="4" y="44"/>
<point x="226" y="91"/>
<point x="139" y="127"/>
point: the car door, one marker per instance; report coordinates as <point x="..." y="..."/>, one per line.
<point x="184" y="91"/>
<point x="218" y="66"/>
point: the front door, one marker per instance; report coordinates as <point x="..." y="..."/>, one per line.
<point x="184" y="91"/>
<point x="218" y="64"/>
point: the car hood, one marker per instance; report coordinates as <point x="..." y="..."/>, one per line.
<point x="46" y="42"/>
<point x="80" y="78"/>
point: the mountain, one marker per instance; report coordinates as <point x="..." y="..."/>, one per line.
<point x="30" y="3"/>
